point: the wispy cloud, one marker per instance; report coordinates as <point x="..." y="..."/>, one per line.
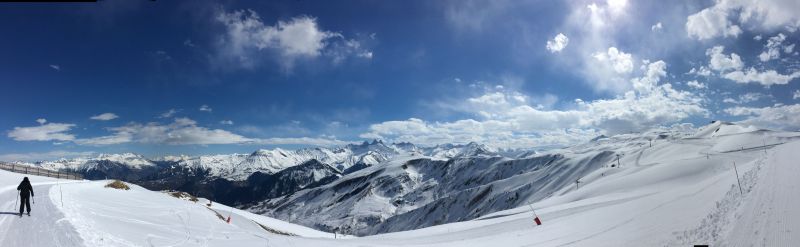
<point x="40" y="156"/>
<point x="182" y="131"/>
<point x="777" y="117"/>
<point x="558" y="43"/>
<point x="43" y="132"/>
<point x="205" y="108"/>
<point x="720" y="20"/>
<point x="247" y="38"/>
<point x="104" y="116"/>
<point x="169" y="113"/>
<point x="508" y="119"/>
<point x="732" y="67"/>
<point x="185" y="131"/>
<point x="189" y="43"/>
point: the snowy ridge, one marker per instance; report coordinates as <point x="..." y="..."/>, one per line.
<point x="237" y="167"/>
<point x="130" y="160"/>
<point x="681" y="191"/>
<point x="415" y="191"/>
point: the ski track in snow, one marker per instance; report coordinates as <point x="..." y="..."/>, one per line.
<point x="769" y="215"/>
<point x="45" y="227"/>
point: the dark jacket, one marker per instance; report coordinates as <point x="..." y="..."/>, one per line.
<point x="25" y="188"/>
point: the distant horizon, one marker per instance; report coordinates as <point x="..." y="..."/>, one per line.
<point x="153" y="157"/>
<point x="370" y="142"/>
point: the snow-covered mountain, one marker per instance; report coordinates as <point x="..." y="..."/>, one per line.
<point x="416" y="191"/>
<point x="448" y="151"/>
<point x="674" y="188"/>
<point x="227" y="177"/>
<point x="237" y="167"/>
<point x="133" y="161"/>
<point x="411" y="192"/>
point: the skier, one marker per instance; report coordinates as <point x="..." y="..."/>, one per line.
<point x="25" y="193"/>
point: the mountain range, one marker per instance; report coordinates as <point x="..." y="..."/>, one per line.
<point x="373" y="187"/>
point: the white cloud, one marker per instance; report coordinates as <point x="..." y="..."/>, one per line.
<point x="183" y="131"/>
<point x="772" y="50"/>
<point x="492" y="132"/>
<point x="766" y="78"/>
<point x="205" y="108"/>
<point x="751" y="97"/>
<point x="526" y="126"/>
<point x="161" y="56"/>
<point x="365" y="54"/>
<point x="651" y="104"/>
<point x="774" y="117"/>
<point x="765" y="15"/>
<point x="471" y="15"/>
<point x="600" y="54"/>
<point x="41" y="120"/>
<point x="653" y="74"/>
<point x="188" y="42"/>
<point x="558" y="43"/>
<point x="507" y="118"/>
<point x="696" y="85"/>
<point x="796" y="94"/>
<point x="788" y="48"/>
<point x="339" y="51"/>
<point x="226" y="122"/>
<point x="721" y="62"/>
<point x="117" y="138"/>
<point x="757" y="37"/>
<point x="321" y="141"/>
<point x="247" y="37"/>
<point x="44" y="132"/>
<point x="491" y="104"/>
<point x="105" y="116"/>
<point x="711" y="22"/>
<point x="621" y="62"/>
<point x="169" y="113"/>
<point x="731" y="67"/>
<point x="746" y="98"/>
<point x="51" y="155"/>
<point x="55" y="67"/>
<point x="656" y="27"/>
<point x="701" y="71"/>
<point x="617" y="6"/>
<point x="298" y="36"/>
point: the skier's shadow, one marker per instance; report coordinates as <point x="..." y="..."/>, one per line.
<point x="14" y="213"/>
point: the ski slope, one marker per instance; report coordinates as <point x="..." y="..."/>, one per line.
<point x="769" y="215"/>
<point x="675" y="193"/>
<point x="45" y="227"/>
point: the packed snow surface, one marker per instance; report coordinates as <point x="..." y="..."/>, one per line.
<point x="679" y="192"/>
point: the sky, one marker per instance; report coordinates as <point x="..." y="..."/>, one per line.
<point x="203" y="77"/>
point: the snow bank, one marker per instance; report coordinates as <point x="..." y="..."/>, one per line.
<point x="139" y="217"/>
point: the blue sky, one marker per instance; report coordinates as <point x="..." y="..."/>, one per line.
<point x="204" y="77"/>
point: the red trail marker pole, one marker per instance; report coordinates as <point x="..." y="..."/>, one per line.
<point x="535" y="217"/>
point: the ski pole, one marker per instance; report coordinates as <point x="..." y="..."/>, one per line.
<point x="34" y="199"/>
<point x="15" y="201"/>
